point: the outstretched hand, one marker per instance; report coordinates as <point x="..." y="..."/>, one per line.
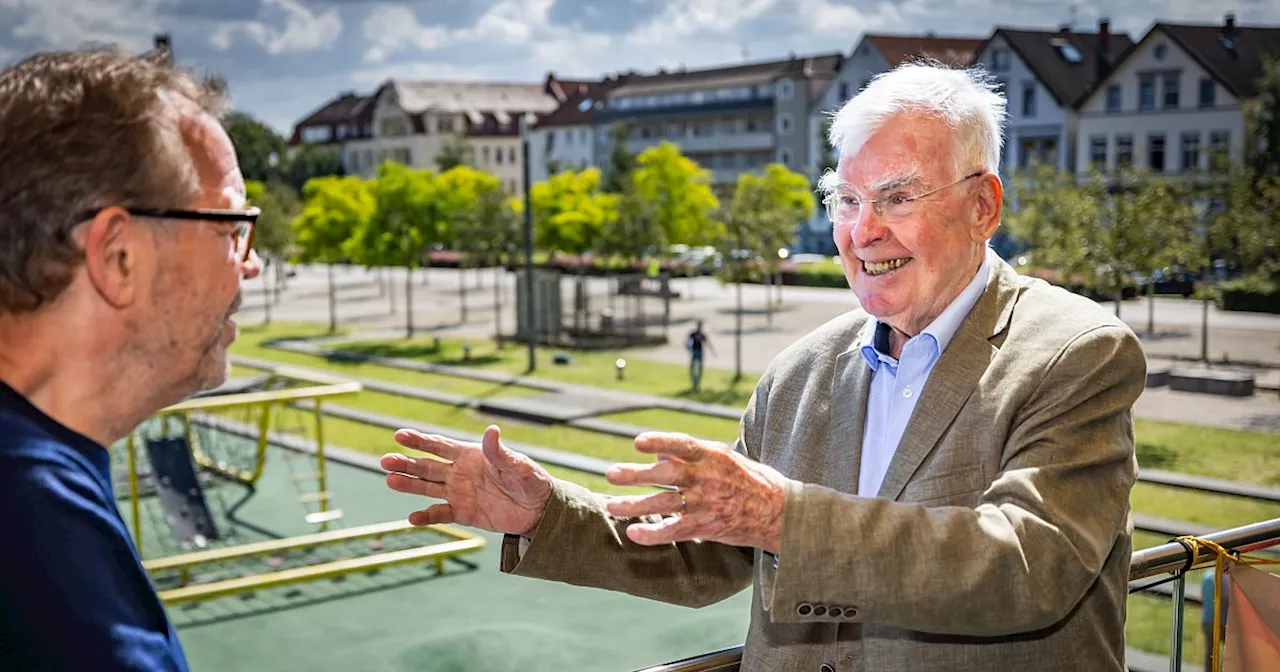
<point x="487" y="486"/>
<point x="720" y="494"/>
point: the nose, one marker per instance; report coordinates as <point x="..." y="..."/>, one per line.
<point x="252" y="266"/>
<point x="868" y="228"/>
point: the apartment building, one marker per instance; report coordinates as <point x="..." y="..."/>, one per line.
<point x="730" y="120"/>
<point x="1175" y="98"/>
<point x="413" y="121"/>
<point x="566" y="139"/>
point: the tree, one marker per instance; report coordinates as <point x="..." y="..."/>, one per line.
<point x="256" y="144"/>
<point x="406" y="220"/>
<point x="1059" y="220"/>
<point x="1151" y="227"/>
<point x="622" y="161"/>
<point x="498" y="234"/>
<point x="680" y="192"/>
<point x="334" y="209"/>
<point x="310" y="161"/>
<point x="455" y="152"/>
<point x="465" y="198"/>
<point x="1263" y="116"/>
<point x="766" y="209"/>
<point x="273" y="235"/>
<point x="569" y="215"/>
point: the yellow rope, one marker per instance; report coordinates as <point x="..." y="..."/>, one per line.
<point x="1221" y="556"/>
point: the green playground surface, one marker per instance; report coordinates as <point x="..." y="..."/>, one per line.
<point x="473" y="617"/>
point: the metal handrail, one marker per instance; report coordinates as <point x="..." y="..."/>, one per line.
<point x="1148" y="562"/>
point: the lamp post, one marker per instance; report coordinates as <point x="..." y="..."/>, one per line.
<point x="531" y="320"/>
<point x="621" y="366"/>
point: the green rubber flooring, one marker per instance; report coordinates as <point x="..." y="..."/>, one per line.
<point x="471" y="618"/>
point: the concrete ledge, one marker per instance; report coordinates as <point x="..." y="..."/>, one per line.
<point x="1158" y="375"/>
<point x="1212" y="381"/>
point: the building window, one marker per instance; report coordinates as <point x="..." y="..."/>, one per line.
<point x="786" y="89"/>
<point x="1146" y="91"/>
<point x="497" y="155"/>
<point x="511" y="154"/>
<point x="1113" y="98"/>
<point x="1028" y="99"/>
<point x="784" y="124"/>
<point x="1207" y="91"/>
<point x="999" y="60"/>
<point x="1191" y="150"/>
<point x="1161" y="51"/>
<point x="316" y="134"/>
<point x="1098" y="152"/>
<point x="1171" y="86"/>
<point x="1124" y="150"/>
<point x="444" y="124"/>
<point x="1155" y="152"/>
<point x="484" y="155"/>
<point x="784" y="157"/>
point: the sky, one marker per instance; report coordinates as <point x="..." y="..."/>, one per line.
<point x="285" y="58"/>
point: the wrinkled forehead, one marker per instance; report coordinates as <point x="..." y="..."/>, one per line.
<point x="906" y="151"/>
<point x="213" y="156"/>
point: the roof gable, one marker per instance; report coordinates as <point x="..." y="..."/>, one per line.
<point x="1065" y="62"/>
<point x="899" y="49"/>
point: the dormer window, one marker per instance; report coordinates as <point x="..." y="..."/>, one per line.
<point x="1066" y="50"/>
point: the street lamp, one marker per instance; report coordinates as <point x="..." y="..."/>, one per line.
<point x="621" y="365"/>
<point x="466" y="352"/>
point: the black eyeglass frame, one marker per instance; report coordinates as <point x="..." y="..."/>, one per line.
<point x="248" y="215"/>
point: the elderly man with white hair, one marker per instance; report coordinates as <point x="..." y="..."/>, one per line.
<point x="936" y="480"/>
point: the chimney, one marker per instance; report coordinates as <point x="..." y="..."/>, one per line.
<point x="1229" y="33"/>
<point x="1104" y="49"/>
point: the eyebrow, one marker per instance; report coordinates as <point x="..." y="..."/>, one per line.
<point x="905" y="178"/>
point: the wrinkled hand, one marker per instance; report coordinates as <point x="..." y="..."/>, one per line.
<point x="487" y="486"/>
<point x="726" y="496"/>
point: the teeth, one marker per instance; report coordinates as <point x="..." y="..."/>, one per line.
<point x="876" y="268"/>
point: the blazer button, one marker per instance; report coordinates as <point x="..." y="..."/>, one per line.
<point x="850" y="612"/>
<point x="834" y="612"/>
<point x="819" y="610"/>
<point x="804" y="609"/>
<point x="826" y="668"/>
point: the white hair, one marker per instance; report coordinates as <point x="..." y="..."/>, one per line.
<point x="967" y="100"/>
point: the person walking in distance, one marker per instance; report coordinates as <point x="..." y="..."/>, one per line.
<point x="695" y="343"/>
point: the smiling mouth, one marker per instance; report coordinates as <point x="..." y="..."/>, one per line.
<point x="882" y="267"/>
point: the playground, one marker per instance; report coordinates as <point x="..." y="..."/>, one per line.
<point x="273" y="552"/>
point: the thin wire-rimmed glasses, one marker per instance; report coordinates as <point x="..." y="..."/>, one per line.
<point x="843" y="206"/>
<point x="246" y="219"/>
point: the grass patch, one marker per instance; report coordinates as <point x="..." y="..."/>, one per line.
<point x="595" y="368"/>
<point x="704" y="426"/>
<point x="251" y="341"/>
<point x="1217" y="511"/>
<point x="1246" y="457"/>
<point x="1148" y="624"/>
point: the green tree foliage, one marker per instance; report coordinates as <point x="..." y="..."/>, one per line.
<point x="1263" y="116"/>
<point x="334" y="209"/>
<point x="310" y="161"/>
<point x="570" y="212"/>
<point x="255" y="143"/>
<point x="622" y="161"/>
<point x="455" y="152"/>
<point x="679" y="191"/>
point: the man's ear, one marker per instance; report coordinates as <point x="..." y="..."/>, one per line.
<point x="112" y="242"/>
<point x="990" y="201"/>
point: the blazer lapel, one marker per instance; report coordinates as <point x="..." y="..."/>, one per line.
<point x="953" y="379"/>
<point x="850" y="388"/>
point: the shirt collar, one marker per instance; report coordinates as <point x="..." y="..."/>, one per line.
<point x="874" y="339"/>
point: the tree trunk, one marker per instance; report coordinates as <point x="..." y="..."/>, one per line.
<point x="768" y="295"/>
<point x="408" y="302"/>
<point x="333" y="303"/>
<point x="391" y="292"/>
<point x="497" y="309"/>
<point x="1204" y="316"/>
<point x="266" y="297"/>
<point x="1119" y="298"/>
<point x="462" y="292"/>
<point x="737" y="337"/>
<point x="1151" y="306"/>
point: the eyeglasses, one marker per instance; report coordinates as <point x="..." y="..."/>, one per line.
<point x="843" y="206"/>
<point x="246" y="219"/>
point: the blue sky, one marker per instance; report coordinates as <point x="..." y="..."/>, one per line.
<point x="284" y="58"/>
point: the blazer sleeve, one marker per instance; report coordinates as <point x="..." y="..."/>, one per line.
<point x="1020" y="560"/>
<point x="578" y="542"/>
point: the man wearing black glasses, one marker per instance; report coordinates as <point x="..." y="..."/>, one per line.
<point x="124" y="238"/>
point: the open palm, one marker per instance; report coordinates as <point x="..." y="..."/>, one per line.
<point x="486" y="485"/>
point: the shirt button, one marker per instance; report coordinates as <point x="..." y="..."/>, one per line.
<point x="907" y="393"/>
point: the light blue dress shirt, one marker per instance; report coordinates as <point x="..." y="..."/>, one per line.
<point x="896" y="383"/>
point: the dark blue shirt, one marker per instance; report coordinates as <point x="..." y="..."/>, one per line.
<point x="73" y="592"/>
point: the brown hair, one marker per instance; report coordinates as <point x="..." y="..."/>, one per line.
<point x="82" y="130"/>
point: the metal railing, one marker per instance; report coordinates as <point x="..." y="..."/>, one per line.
<point x="1171" y="558"/>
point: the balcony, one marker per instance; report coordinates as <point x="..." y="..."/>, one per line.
<point x="1170" y="561"/>
<point x="719" y="142"/>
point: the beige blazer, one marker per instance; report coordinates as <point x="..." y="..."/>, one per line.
<point x="1001" y="536"/>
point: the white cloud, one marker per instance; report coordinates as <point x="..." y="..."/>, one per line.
<point x="371" y="77"/>
<point x="684" y="18"/>
<point x="391" y="28"/>
<point x="304" y="29"/>
<point x="66" y="24"/>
